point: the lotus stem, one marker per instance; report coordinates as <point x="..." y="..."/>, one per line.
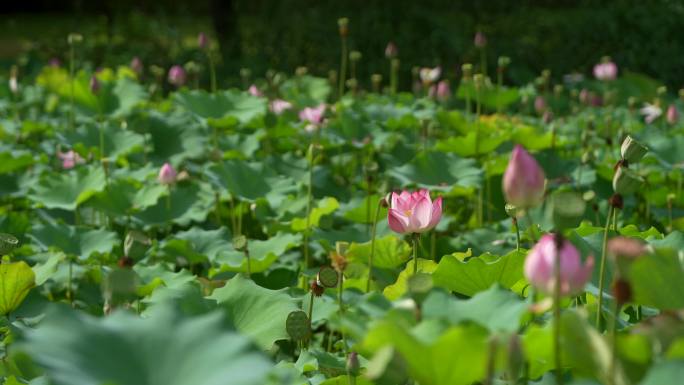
<point x="602" y="268"/>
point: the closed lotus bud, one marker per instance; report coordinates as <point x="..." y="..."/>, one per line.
<point x="13" y="82"/>
<point x="584" y="96"/>
<point x="626" y="181"/>
<point x="391" y="51"/>
<point x="480" y="40"/>
<point x="94" y="85"/>
<point x="672" y="114"/>
<point x="167" y="174"/>
<point x="541" y="261"/>
<point x="523" y="182"/>
<point x="353" y="366"/>
<point x="202" y="40"/>
<point x="632" y="151"/>
<point x="606" y="70"/>
<point x="539" y="104"/>
<point x="177" y="76"/>
<point x="137" y="65"/>
<point x="343" y="24"/>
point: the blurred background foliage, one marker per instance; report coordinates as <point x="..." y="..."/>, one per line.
<point x="561" y="35"/>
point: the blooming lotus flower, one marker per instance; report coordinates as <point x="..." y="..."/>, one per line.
<point x="278" y="106"/>
<point x="605" y="71"/>
<point x="480" y="40"/>
<point x="391" y="50"/>
<point x="541" y="261"/>
<point x="651" y="112"/>
<point x="413" y="212"/>
<point x="523" y="181"/>
<point x="313" y="116"/>
<point x="672" y="114"/>
<point x="441" y="91"/>
<point x="430" y="75"/>
<point x="254" y="91"/>
<point x="69" y="159"/>
<point x="177" y="76"/>
<point x="202" y="40"/>
<point x="137" y="65"/>
<point x="167" y="174"/>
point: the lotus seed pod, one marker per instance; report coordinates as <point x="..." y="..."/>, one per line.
<point x="343" y="24"/>
<point x="74" y="38"/>
<point x="328" y="277"/>
<point x="240" y="242"/>
<point x="632" y="151"/>
<point x="511" y="210"/>
<point x="626" y="181"/>
<point x="355" y="56"/>
<point x="297" y="325"/>
<point x="8" y="242"/>
<point x="136" y="245"/>
<point x="504" y="61"/>
<point x="467" y="70"/>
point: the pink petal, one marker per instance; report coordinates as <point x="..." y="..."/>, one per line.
<point x="436" y="213"/>
<point x="397" y="221"/>
<point x="420" y="216"/>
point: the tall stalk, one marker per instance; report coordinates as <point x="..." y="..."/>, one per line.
<point x="602" y="269"/>
<point x="372" y="250"/>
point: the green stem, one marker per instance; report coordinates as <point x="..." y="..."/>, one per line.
<point x="372" y="250"/>
<point x="517" y="233"/>
<point x="416" y="239"/>
<point x="394" y="75"/>
<point x="72" y="66"/>
<point x="343" y="68"/>
<point x="309" y="197"/>
<point x="249" y="263"/>
<point x="69" y="280"/>
<point x="212" y="72"/>
<point x="557" y="314"/>
<point x="499" y="86"/>
<point x="613" y="344"/>
<point x="602" y="269"/>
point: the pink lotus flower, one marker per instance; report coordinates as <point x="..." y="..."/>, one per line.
<point x="69" y="159"/>
<point x="177" y="76"/>
<point x="202" y="40"/>
<point x="606" y="70"/>
<point x="414" y="212"/>
<point x="480" y="40"/>
<point x="254" y="91"/>
<point x="167" y="174"/>
<point x="313" y="116"/>
<point x="651" y="112"/>
<point x="137" y="65"/>
<point x="672" y="114"/>
<point x="391" y="50"/>
<point x="523" y="181"/>
<point x="278" y="106"/>
<point x="441" y="91"/>
<point x="541" y="261"/>
<point x="430" y="75"/>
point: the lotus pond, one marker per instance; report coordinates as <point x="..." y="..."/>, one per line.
<point x="157" y="230"/>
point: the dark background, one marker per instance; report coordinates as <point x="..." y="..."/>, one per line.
<point x="562" y="35"/>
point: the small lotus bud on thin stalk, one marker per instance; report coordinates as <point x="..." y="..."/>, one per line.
<point x="606" y="70"/>
<point x="376" y="81"/>
<point x="94" y="85"/>
<point x="137" y="65"/>
<point x="13" y="82"/>
<point x="480" y="40"/>
<point x="353" y="367"/>
<point x="177" y="76"/>
<point x="524" y="180"/>
<point x="672" y="114"/>
<point x="202" y="41"/>
<point x="391" y="51"/>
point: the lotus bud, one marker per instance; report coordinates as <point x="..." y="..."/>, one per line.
<point x="391" y="51"/>
<point x="13" y="82"/>
<point x="94" y="85"/>
<point x="202" y="40"/>
<point x="523" y="182"/>
<point x="301" y="71"/>
<point x="167" y="174"/>
<point x="632" y="151"/>
<point x="541" y="261"/>
<point x="353" y="366"/>
<point x="136" y="65"/>
<point x="539" y="104"/>
<point x="672" y="114"/>
<point x="177" y="76"/>
<point x="480" y="40"/>
<point x="606" y="70"/>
